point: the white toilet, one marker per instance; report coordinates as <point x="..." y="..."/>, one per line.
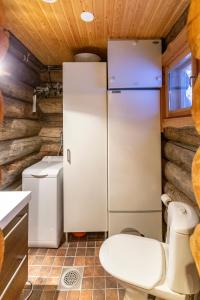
<point x="145" y="266"/>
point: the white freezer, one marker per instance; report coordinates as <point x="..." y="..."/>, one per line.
<point x="134" y="64"/>
<point x="134" y="151"/>
<point x="148" y="224"/>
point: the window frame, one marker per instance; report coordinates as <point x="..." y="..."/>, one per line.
<point x="183" y="112"/>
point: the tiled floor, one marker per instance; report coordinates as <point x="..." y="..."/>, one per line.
<point x="45" y="266"/>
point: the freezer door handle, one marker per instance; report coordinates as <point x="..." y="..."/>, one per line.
<point x="69" y="156"/>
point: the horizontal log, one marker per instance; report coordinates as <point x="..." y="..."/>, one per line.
<point x="51" y="105"/>
<point x="179" y="155"/>
<point x="52" y="134"/>
<point x="16" y="149"/>
<point x="56" y="76"/>
<point x="15" y="186"/>
<point x="186" y="135"/>
<point x="52" y="120"/>
<point x="14" y="108"/>
<point x="175" y="194"/>
<point x="18" y="128"/>
<point x="16" y="89"/>
<point x="19" y="70"/>
<point x="51" y="149"/>
<point x="180" y="178"/>
<point x="17" y="49"/>
<point x="10" y="172"/>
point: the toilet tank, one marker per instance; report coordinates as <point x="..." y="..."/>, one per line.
<point x="182" y="275"/>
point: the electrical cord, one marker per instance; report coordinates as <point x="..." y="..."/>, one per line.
<point x="31" y="290"/>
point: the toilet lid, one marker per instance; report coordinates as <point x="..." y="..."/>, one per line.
<point x="136" y="260"/>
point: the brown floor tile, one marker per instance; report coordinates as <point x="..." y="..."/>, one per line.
<point x="51" y="252"/>
<point x="39" y="283"/>
<point x="86" y="295"/>
<point x="71" y="252"/>
<point x="42" y="251"/>
<point x="51" y="284"/>
<point x="82" y="244"/>
<point x="69" y="261"/>
<point x="55" y="271"/>
<point x="64" y="245"/>
<point x="87" y="283"/>
<point x="80" y="251"/>
<point x="79" y="261"/>
<point x="73" y="244"/>
<point x="36" y="295"/>
<point x="121" y="293"/>
<point x="99" y="243"/>
<point x="61" y="252"/>
<point x="111" y="283"/>
<point x="99" y="295"/>
<point x="47" y="295"/>
<point x="89" y="261"/>
<point x="60" y="295"/>
<point x="111" y="294"/>
<point x="48" y="260"/>
<point x="38" y="259"/>
<point x="34" y="270"/>
<point x="90" y="244"/>
<point x="33" y="251"/>
<point x="99" y="271"/>
<point x="99" y="283"/>
<point x="58" y="261"/>
<point x="90" y="252"/>
<point x="44" y="271"/>
<point x="31" y="279"/>
<point x="73" y="295"/>
<point x="88" y="271"/>
<point x="97" y="261"/>
<point x="97" y="251"/>
<point x="30" y="259"/>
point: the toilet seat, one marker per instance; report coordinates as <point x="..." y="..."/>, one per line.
<point x="136" y="260"/>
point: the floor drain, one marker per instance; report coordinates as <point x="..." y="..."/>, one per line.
<point x="71" y="279"/>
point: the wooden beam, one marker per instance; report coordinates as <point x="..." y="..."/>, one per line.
<point x="11" y="172"/>
<point x="187" y="135"/>
<point x="18" y="128"/>
<point x="179" y="155"/>
<point x="16" y="149"/>
<point x="18" y="109"/>
<point x="180" y="178"/>
<point x="16" y="89"/>
<point x="51" y="105"/>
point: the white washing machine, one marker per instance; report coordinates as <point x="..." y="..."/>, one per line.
<point x="45" y="180"/>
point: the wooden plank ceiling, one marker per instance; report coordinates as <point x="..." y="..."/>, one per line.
<point x="53" y="32"/>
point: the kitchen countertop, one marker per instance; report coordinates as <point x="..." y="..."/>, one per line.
<point x="11" y="203"/>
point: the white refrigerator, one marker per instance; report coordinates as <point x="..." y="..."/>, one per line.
<point x="134" y="140"/>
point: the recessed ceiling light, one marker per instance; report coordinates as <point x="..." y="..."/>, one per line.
<point x="87" y="16"/>
<point x="50" y="1"/>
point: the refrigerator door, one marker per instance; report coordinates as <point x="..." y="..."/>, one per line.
<point x="134" y="64"/>
<point x="134" y="155"/>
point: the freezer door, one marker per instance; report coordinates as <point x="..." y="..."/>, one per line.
<point x="134" y="64"/>
<point x="134" y="155"/>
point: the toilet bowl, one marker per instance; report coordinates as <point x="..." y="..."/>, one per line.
<point x="145" y="266"/>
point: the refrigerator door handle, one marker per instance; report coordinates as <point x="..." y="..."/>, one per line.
<point x="69" y="156"/>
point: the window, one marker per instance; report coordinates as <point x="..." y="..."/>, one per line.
<point x="180" y="85"/>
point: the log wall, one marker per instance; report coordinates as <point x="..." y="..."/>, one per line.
<point x="51" y="109"/>
<point x="179" y="147"/>
<point x="19" y="134"/>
